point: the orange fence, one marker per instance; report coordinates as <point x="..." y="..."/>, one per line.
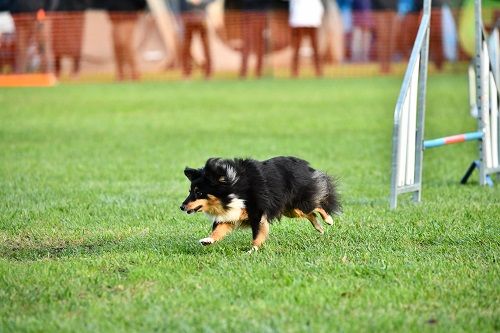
<point x="95" y="44"/>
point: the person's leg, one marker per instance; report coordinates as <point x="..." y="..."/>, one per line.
<point x="258" y="41"/>
<point x="392" y="27"/>
<point x="381" y="40"/>
<point x="356" y="43"/>
<point x="206" y="49"/>
<point x="66" y="38"/>
<point x="186" y="49"/>
<point x="313" y="36"/>
<point x="436" y="38"/>
<point x="366" y="42"/>
<point x="408" y="33"/>
<point x="77" y="61"/>
<point x="78" y="21"/>
<point x="24" y="24"/>
<point x="129" y="57"/>
<point x="246" y="36"/>
<point x="59" y="39"/>
<point x="117" y="46"/>
<point x="57" y="65"/>
<point x="44" y="41"/>
<point x="384" y="21"/>
<point x="365" y="26"/>
<point x="295" y="42"/>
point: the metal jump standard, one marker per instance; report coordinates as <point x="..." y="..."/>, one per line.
<point x="409" y="115"/>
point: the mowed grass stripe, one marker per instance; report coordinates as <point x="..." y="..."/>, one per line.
<point x="92" y="239"/>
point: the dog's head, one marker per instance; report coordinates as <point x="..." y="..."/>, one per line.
<point x="211" y="187"/>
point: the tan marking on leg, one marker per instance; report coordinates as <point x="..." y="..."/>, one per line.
<point x="222" y="230"/>
<point x="328" y="219"/>
<point x="262" y="234"/>
<point x="312" y="218"/>
<point x="294" y="213"/>
<point x="297" y="213"/>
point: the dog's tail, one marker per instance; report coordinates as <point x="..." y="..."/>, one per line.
<point x="330" y="198"/>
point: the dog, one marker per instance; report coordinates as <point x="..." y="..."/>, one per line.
<point x="251" y="193"/>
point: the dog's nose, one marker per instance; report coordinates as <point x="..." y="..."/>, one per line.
<point x="182" y="207"/>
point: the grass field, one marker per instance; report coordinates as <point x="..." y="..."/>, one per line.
<point x="92" y="239"/>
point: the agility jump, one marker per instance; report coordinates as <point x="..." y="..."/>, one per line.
<point x="409" y="115"/>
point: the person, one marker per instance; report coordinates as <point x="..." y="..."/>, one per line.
<point x="123" y="15"/>
<point x="7" y="41"/>
<point x="173" y="6"/>
<point x="385" y="21"/>
<point x="67" y="32"/>
<point x="305" y="18"/>
<point x="253" y="25"/>
<point x="361" y="34"/>
<point x="193" y="14"/>
<point x="32" y="35"/>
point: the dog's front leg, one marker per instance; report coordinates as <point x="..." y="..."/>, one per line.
<point x="260" y="231"/>
<point x="219" y="231"/>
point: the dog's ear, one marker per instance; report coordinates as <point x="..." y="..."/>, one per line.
<point x="219" y="171"/>
<point x="213" y="171"/>
<point x="212" y="177"/>
<point x="192" y="174"/>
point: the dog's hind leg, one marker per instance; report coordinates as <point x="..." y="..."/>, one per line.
<point x="312" y="218"/>
<point x="260" y="231"/>
<point x="326" y="217"/>
<point x="219" y="231"/>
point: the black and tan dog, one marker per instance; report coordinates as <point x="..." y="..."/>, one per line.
<point x="246" y="192"/>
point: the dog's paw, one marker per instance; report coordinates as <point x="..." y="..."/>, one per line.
<point x="329" y="220"/>
<point x="253" y="249"/>
<point x="207" y="241"/>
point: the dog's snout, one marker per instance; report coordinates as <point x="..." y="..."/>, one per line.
<point x="182" y="207"/>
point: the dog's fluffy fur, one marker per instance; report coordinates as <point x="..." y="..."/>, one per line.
<point x="246" y="192"/>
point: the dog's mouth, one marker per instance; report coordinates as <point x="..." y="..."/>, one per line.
<point x="195" y="210"/>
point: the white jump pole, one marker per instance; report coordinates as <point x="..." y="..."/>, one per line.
<point x="412" y="119"/>
<point x="409" y="115"/>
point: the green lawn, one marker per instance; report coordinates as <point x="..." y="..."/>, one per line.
<point x="92" y="239"/>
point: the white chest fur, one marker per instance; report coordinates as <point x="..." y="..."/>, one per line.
<point x="233" y="212"/>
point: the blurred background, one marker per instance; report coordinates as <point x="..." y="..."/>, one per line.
<point x="119" y="40"/>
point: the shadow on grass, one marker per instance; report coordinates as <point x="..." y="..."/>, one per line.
<point x="166" y="245"/>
